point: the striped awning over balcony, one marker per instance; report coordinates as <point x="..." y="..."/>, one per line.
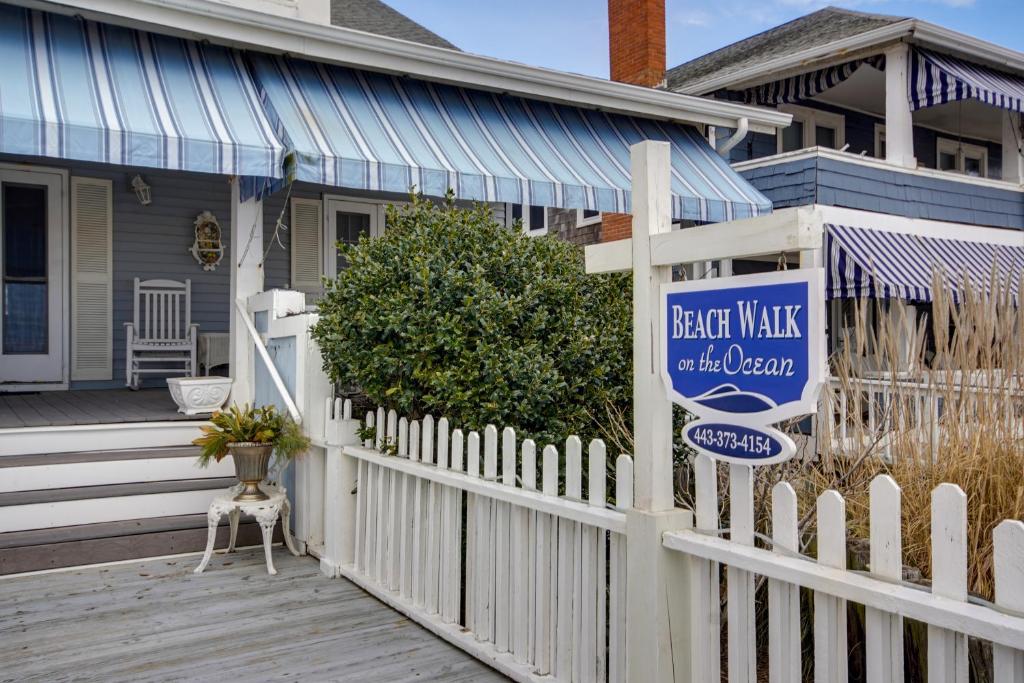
<point x="879" y="264"/>
<point x="807" y="85"/>
<point x="937" y="79"/>
<point x="370" y="131"/>
<point x="76" y="89"/>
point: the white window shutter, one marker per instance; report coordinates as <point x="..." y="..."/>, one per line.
<point x="92" y="275"/>
<point x="307" y="260"/>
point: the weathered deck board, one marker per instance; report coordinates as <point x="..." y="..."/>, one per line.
<point x="154" y="620"/>
<point x="79" y="407"/>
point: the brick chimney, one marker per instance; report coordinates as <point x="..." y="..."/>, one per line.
<point x="636" y="51"/>
<point x="636" y="41"/>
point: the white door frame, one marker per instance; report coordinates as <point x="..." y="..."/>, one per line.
<point x="26" y="375"/>
<point x="335" y="203"/>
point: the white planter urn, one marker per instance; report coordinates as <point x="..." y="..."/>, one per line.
<point x="199" y="395"/>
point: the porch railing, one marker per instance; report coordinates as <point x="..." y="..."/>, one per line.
<point x="488" y="545"/>
<point x="860" y="413"/>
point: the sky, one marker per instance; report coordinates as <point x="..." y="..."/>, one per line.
<point x="572" y="35"/>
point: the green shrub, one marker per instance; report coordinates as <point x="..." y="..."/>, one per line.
<point x="453" y="314"/>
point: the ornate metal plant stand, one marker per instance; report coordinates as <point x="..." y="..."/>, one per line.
<point x="266" y="513"/>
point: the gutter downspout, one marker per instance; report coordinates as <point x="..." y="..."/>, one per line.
<point x="742" y="129"/>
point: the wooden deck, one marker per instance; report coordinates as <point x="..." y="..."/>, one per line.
<point x="84" y="407"/>
<point x="154" y="620"/>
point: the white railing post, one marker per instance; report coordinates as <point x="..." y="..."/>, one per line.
<point x="657" y="624"/>
<point x="246" y="280"/>
<point x="340" y="487"/>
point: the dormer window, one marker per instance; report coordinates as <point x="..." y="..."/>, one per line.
<point x="811" y="128"/>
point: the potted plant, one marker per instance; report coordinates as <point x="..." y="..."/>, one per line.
<point x="250" y="435"/>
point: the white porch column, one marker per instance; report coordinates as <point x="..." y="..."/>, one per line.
<point x="246" y="280"/>
<point x="899" y="124"/>
<point x="1013" y="141"/>
<point x="656" y="579"/>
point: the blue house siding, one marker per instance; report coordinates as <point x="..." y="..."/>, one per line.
<point x="791" y="184"/>
<point x="820" y="180"/>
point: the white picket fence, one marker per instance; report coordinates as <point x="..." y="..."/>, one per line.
<point x="944" y="608"/>
<point x="474" y="538"/>
<point x="504" y="556"/>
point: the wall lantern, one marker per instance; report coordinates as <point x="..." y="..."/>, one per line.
<point x="207" y="248"/>
<point x="142" y="190"/>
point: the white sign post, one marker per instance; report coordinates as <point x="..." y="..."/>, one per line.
<point x="657" y="618"/>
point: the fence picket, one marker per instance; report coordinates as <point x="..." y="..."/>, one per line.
<point x="370" y="535"/>
<point x="524" y="605"/>
<point x="411" y="527"/>
<point x="617" y="576"/>
<point x="502" y="539"/>
<point x="544" y="596"/>
<point x="883" y="631"/>
<point x="431" y="522"/>
<point x="705" y="600"/>
<point x="453" y="576"/>
<point x="830" y="653"/>
<point x="594" y="583"/>
<point x="565" y="560"/>
<point x="742" y="643"/>
<point x="519" y="556"/>
<point x="947" y="650"/>
<point x="1008" y="565"/>
<point x="405" y="513"/>
<point x="784" y="598"/>
<point x="395" y="482"/>
<point x="574" y="491"/>
<point x="442" y="536"/>
<point x="472" y="551"/>
<point x="485" y="540"/>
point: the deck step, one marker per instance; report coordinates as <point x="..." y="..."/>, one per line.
<point x="69" y="546"/>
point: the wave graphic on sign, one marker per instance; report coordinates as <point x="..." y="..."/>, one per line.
<point x="731" y="399"/>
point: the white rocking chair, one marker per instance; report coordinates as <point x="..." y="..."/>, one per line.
<point x="162" y="333"/>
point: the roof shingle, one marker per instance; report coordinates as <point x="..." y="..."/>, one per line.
<point x="373" y="16"/>
<point x="812" y="30"/>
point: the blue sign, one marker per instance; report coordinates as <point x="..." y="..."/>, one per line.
<point x="739" y="443"/>
<point x="746" y="351"/>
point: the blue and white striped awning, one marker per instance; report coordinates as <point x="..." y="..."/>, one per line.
<point x="805" y="86"/>
<point x="75" y="89"/>
<point x="372" y="131"/>
<point x="882" y="265"/>
<point x="937" y="79"/>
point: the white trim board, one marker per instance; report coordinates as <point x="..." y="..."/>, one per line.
<point x="106" y="437"/>
<point x="241" y="27"/>
<point x="919" y="226"/>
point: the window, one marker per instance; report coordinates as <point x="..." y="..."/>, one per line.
<point x="587" y="217"/>
<point x="792" y="138"/>
<point x="535" y="218"/>
<point x="960" y="157"/>
<point x="811" y="128"/>
<point x="879" y="141"/>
